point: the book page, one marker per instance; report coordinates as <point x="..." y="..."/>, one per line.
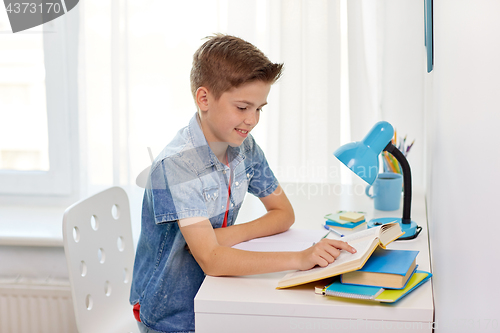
<point x="371" y="233"/>
<point x="390" y="232"/>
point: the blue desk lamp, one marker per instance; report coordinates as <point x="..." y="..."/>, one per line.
<point x="362" y="158"/>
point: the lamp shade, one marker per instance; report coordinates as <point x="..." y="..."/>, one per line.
<point x="362" y="156"/>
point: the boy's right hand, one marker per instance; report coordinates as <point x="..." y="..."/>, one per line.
<point x="322" y="253"/>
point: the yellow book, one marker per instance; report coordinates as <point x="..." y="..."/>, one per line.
<point x="365" y="242"/>
<point x="393" y="295"/>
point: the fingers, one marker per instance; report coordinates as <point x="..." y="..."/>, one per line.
<point x="329" y="250"/>
<point x="322" y="262"/>
<point x="324" y="253"/>
<point x="340" y="245"/>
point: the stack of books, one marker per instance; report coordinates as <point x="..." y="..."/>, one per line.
<point x="387" y="276"/>
<point x="372" y="273"/>
<point x="365" y="242"/>
<point x="345" y="219"/>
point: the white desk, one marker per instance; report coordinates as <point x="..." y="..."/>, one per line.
<point x="252" y="304"/>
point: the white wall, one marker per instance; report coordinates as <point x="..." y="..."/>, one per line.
<point x="463" y="120"/>
<point x="386" y="72"/>
<point x="403" y="77"/>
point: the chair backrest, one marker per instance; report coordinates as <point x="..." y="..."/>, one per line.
<point x="99" y="251"/>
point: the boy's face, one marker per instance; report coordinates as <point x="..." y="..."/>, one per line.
<point x="230" y="118"/>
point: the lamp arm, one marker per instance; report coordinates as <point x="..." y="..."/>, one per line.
<point x="405" y="166"/>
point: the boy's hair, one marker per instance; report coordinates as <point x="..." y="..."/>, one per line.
<point x="224" y="62"/>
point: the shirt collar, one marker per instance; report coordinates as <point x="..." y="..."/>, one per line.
<point x="199" y="141"/>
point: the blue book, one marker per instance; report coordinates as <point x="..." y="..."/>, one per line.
<point x="385" y="268"/>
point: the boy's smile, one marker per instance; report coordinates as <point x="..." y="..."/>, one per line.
<point x="228" y="120"/>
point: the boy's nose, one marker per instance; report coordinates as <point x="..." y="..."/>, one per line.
<point x="253" y="118"/>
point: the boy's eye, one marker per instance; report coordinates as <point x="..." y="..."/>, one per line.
<point x="244" y="108"/>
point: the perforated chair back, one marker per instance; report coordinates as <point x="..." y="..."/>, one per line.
<point x="99" y="251"/>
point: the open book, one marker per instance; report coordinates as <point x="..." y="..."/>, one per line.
<point x="365" y="242"/>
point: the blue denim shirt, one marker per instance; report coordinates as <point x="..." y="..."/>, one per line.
<point x="187" y="180"/>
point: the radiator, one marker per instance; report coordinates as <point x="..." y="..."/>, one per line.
<point x="33" y="308"/>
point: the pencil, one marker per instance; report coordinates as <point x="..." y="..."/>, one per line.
<point x="396" y="164"/>
<point x="389" y="162"/>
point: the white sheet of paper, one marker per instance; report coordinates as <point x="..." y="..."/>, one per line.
<point x="273" y="246"/>
<point x="290" y="240"/>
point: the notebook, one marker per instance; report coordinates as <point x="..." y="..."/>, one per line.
<point x="348" y="225"/>
<point x="338" y="289"/>
<point x="335" y="220"/>
<point x="394" y="295"/>
<point x="352" y="216"/>
<point x="372" y="293"/>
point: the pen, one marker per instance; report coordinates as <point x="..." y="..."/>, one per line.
<point x="332" y="230"/>
<point x="409" y="147"/>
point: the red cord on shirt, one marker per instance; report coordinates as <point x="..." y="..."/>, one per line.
<point x="137" y="309"/>
<point x="224" y="224"/>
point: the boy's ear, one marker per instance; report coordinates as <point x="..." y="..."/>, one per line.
<point x="202" y="98"/>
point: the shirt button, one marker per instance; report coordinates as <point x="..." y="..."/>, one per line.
<point x="224" y="171"/>
<point x="236" y="183"/>
<point x="248" y="175"/>
<point x="222" y="207"/>
<point x="232" y="205"/>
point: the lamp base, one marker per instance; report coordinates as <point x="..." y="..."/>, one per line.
<point x="410" y="229"/>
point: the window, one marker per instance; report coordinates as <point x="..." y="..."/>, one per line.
<point x="23" y="111"/>
<point x="36" y="109"/>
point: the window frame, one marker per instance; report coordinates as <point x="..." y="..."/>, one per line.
<point x="60" y="40"/>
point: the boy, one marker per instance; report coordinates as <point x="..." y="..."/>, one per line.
<point x="196" y="187"/>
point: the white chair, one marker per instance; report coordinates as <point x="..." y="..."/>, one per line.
<point x="99" y="251"/>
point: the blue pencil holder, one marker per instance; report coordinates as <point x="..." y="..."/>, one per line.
<point x="386" y="191"/>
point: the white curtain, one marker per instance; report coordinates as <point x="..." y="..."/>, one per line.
<point x="135" y="59"/>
